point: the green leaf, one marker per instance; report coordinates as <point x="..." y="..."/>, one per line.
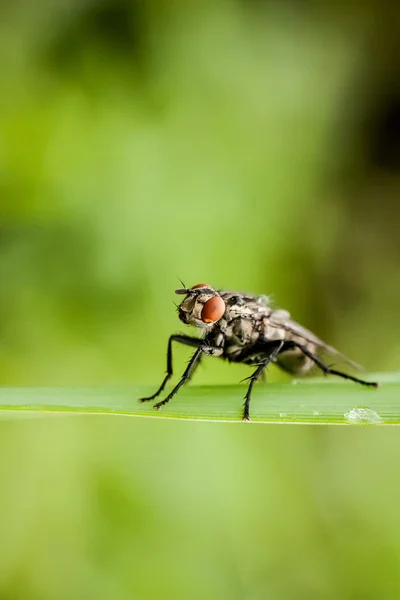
<point x="320" y="401"/>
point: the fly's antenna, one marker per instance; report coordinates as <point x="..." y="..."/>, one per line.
<point x="183" y="291"/>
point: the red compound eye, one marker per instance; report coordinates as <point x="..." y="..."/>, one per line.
<point x="200" y="285"/>
<point x="213" y="310"/>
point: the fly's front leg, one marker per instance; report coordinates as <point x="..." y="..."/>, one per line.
<point x="182" y="339"/>
<point x="253" y="378"/>
<point x="193" y="363"/>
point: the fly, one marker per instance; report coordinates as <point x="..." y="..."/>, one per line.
<point x="244" y="328"/>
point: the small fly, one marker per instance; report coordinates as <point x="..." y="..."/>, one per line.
<point x="244" y="328"/>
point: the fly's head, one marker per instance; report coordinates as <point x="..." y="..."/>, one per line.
<point x="202" y="307"/>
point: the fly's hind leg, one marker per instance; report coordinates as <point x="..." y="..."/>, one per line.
<point x="328" y="370"/>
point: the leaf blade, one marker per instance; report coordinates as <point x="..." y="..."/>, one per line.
<point x="311" y="401"/>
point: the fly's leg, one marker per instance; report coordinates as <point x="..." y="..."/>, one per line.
<point x="182" y="339"/>
<point x="327" y="370"/>
<point x="262" y="377"/>
<point x="193" y="363"/>
<point x="253" y="378"/>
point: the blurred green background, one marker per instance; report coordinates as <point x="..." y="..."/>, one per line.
<point x="250" y="144"/>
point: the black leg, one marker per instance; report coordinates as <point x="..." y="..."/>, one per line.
<point x="327" y="370"/>
<point x="275" y="349"/>
<point x="182" y="339"/>
<point x="193" y="363"/>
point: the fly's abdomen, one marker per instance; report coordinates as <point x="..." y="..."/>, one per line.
<point x="295" y="362"/>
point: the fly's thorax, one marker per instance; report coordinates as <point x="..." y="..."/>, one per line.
<point x="245" y="330"/>
<point x="242" y="323"/>
<point x="242" y="306"/>
<point x="234" y="335"/>
<point x="272" y="332"/>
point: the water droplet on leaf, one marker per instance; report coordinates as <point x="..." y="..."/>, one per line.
<point x="363" y="415"/>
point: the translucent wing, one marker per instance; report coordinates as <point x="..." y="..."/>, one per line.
<point x="282" y="319"/>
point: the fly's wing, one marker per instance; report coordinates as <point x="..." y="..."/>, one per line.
<point x="282" y="319"/>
